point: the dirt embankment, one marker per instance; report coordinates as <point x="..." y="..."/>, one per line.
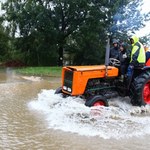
<point x="12" y="63"/>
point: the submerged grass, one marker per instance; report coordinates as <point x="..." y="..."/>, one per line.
<point x="40" y="71"/>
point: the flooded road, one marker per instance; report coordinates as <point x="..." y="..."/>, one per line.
<point x="32" y="117"/>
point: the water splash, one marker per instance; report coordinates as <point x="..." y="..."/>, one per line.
<point x="120" y="120"/>
<point x="32" y="78"/>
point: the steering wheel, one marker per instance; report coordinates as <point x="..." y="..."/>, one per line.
<point x="114" y="62"/>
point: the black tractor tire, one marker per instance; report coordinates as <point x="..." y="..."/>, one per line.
<point x="58" y="90"/>
<point x="137" y="89"/>
<point x="97" y="100"/>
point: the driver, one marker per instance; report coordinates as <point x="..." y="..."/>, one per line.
<point x="114" y="51"/>
<point x="138" y="57"/>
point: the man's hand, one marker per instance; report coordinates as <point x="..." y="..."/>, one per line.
<point x="124" y="55"/>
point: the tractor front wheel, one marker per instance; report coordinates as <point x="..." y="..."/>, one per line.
<point x="58" y="90"/>
<point x="97" y="100"/>
<point x="140" y="89"/>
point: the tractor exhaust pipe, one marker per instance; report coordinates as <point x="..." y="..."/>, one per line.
<point x="107" y="56"/>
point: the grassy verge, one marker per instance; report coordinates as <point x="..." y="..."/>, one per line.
<point x="40" y="71"/>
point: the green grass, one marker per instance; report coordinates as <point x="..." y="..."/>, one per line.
<point x="40" y="71"/>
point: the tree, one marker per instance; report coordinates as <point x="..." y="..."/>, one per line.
<point x="4" y="41"/>
<point x="128" y="19"/>
<point x="47" y="28"/>
<point x="31" y="22"/>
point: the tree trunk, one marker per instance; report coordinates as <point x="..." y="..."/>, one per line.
<point x="60" y="59"/>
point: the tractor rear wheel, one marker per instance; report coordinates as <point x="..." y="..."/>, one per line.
<point x="97" y="100"/>
<point x="140" y="89"/>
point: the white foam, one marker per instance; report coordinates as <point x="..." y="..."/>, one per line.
<point x="119" y="120"/>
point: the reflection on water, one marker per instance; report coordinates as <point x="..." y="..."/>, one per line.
<point x="32" y="117"/>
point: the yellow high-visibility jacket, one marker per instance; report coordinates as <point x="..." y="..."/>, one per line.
<point x="137" y="53"/>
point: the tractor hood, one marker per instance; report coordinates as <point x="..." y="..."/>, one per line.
<point x="89" y="68"/>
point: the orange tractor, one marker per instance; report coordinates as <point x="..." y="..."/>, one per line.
<point x="97" y="84"/>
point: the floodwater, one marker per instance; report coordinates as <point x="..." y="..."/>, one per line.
<point x="32" y="117"/>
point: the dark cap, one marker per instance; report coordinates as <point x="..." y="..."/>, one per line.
<point x="115" y="41"/>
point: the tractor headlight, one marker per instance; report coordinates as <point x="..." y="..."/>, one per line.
<point x="69" y="89"/>
<point x="65" y="88"/>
